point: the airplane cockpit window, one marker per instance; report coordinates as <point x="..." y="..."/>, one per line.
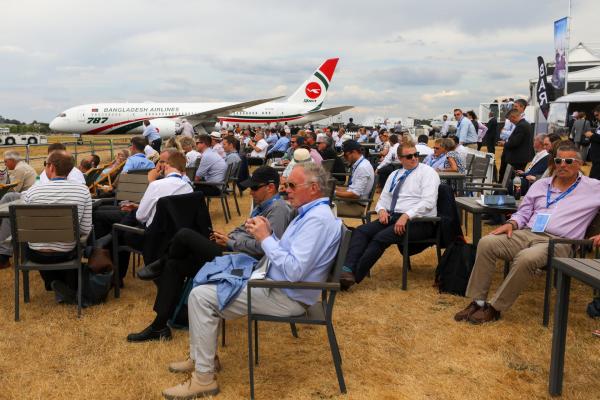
<point x="61" y="115"/>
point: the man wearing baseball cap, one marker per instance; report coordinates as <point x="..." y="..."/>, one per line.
<point x="189" y="251"/>
<point x="360" y="183"/>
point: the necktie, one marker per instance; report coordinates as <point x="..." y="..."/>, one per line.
<point x="397" y="192"/>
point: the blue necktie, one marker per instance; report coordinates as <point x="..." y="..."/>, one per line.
<point x="397" y="191"/>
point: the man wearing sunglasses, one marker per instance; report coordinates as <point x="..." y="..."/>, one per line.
<point x="189" y="251"/>
<point x="559" y="206"/>
<point x="408" y="193"/>
<point x="465" y="130"/>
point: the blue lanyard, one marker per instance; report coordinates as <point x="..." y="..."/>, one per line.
<point x="305" y="211"/>
<point x="357" y="164"/>
<point x="402" y="178"/>
<point x="174" y="175"/>
<point x="58" y="179"/>
<point x="562" y="195"/>
<point x="259" y="208"/>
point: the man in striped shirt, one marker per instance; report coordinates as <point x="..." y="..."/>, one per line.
<point x="59" y="190"/>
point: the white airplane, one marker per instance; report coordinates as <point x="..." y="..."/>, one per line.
<point x="302" y="107"/>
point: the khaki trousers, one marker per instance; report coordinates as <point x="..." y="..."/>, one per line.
<point x="528" y="252"/>
<point x="204" y="316"/>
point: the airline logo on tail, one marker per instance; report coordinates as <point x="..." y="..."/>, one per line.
<point x="313" y="91"/>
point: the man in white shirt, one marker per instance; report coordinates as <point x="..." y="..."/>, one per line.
<point x="408" y="193"/>
<point x="191" y="155"/>
<point x="74" y="176"/>
<point x="422" y="146"/>
<point x="360" y="184"/>
<point x="445" y="126"/>
<point x="259" y="149"/>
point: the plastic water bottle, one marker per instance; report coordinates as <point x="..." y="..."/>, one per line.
<point x="517" y="187"/>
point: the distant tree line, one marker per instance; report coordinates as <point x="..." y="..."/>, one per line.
<point x="17" y="126"/>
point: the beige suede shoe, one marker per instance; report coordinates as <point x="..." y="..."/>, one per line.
<point x="189" y="366"/>
<point x="199" y="385"/>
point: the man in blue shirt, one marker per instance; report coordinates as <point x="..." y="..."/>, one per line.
<point x="212" y="166"/>
<point x="304" y="252"/>
<point x="280" y="147"/>
<point x="465" y="130"/>
<point x="151" y="134"/>
<point x="137" y="160"/>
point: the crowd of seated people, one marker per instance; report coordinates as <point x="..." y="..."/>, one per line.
<point x="296" y="238"/>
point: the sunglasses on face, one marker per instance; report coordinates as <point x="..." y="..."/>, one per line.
<point x="567" y="161"/>
<point x="437" y="148"/>
<point x="255" y="188"/>
<point x="410" y="156"/>
<point x="294" y="186"/>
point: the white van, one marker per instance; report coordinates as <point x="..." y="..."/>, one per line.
<point x="563" y="107"/>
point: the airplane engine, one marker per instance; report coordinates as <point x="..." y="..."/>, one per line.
<point x="166" y="126"/>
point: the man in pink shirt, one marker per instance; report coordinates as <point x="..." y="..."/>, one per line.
<point x="559" y="206"/>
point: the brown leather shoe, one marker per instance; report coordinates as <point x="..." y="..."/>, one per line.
<point x="485" y="314"/>
<point x="467" y="312"/>
<point x="346" y="280"/>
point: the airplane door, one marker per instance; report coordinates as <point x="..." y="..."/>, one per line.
<point x="81" y="116"/>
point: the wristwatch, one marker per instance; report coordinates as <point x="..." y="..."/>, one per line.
<point x="513" y="223"/>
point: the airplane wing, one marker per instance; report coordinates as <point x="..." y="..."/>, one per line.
<point x="212" y="114"/>
<point x="329" y="112"/>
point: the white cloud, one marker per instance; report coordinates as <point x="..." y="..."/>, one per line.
<point x="444" y="94"/>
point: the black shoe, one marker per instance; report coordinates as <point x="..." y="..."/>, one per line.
<point x="63" y="293"/>
<point x="150" y="271"/>
<point x="150" y="334"/>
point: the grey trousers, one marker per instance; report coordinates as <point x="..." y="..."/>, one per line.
<point x="204" y="315"/>
<point x="528" y="252"/>
<point x="6" y="246"/>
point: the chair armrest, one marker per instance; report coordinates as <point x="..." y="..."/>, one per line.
<point x="103" y="201"/>
<point x="127" y="228"/>
<point x="264" y="283"/>
<point x="425" y="219"/>
<point x="350" y="199"/>
<point x="579" y="242"/>
<point x="214" y="184"/>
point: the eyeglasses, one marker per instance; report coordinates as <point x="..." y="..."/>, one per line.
<point x="457" y="114"/>
<point x="410" y="156"/>
<point x="255" y="188"/>
<point x="567" y="161"/>
<point x="293" y="186"/>
<point x="293" y="142"/>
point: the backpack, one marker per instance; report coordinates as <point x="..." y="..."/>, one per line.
<point x="454" y="270"/>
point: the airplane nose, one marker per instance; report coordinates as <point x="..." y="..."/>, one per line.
<point x="54" y="124"/>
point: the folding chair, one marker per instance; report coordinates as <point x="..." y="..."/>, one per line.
<point x="320" y="313"/>
<point x="222" y="186"/>
<point x="44" y="224"/>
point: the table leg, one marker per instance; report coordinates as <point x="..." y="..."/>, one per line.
<point x="476" y="228"/>
<point x="559" y="334"/>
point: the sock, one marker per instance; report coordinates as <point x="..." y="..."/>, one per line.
<point x="480" y="303"/>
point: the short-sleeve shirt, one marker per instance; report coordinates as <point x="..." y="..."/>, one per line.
<point x="262" y="145"/>
<point x="362" y="179"/>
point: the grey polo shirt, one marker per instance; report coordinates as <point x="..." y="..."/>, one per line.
<point x="212" y="167"/>
<point x="279" y="214"/>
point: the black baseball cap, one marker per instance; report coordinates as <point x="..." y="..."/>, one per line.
<point x="262" y="176"/>
<point x="350" y="145"/>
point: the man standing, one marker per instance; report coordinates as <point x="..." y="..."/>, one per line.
<point x="152" y="136"/>
<point x="360" y="183"/>
<point x="445" y="126"/>
<point x="518" y="149"/>
<point x="212" y="166"/>
<point x="408" y="193"/>
<point x="137" y="159"/>
<point x="185" y="129"/>
<point x="595" y="146"/>
<point x="189" y="251"/>
<point x="19" y="171"/>
<point x="465" y="130"/>
<point x="304" y="253"/>
<point x="559" y="206"/>
<point x="491" y="136"/>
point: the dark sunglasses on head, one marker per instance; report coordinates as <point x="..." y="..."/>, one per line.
<point x="567" y="161"/>
<point x="410" y="156"/>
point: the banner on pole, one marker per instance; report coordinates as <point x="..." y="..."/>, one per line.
<point x="560" y="52"/>
<point x="542" y="88"/>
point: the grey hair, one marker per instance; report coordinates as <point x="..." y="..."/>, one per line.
<point x="170" y="150"/>
<point x="569" y="146"/>
<point x="12" y="155"/>
<point x="540" y="137"/>
<point x="316" y="173"/>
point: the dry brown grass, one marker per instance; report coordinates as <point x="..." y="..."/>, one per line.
<point x="395" y="345"/>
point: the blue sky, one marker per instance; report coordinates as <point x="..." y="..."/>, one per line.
<point x="396" y="58"/>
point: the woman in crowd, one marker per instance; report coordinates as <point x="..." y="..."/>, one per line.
<point x="453" y="161"/>
<point x="480" y="128"/>
<point x="121" y="157"/>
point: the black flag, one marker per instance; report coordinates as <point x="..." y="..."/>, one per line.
<point x="542" y="91"/>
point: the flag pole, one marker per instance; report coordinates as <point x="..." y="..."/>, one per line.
<point x="568" y="50"/>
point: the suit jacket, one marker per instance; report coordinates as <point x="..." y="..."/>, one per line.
<point x="539" y="167"/>
<point x="518" y="149"/>
<point x="595" y="148"/>
<point x="492" y="134"/>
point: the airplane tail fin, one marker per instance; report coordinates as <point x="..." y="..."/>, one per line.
<point x="313" y="91"/>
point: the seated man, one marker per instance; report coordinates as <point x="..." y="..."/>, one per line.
<point x="536" y="167"/>
<point x="389" y="163"/>
<point x="189" y="251"/>
<point x="422" y="146"/>
<point x="408" y="193"/>
<point x="19" y="171"/>
<point x="212" y="166"/>
<point x="542" y="215"/>
<point x="437" y="159"/>
<point x="85" y="165"/>
<point x="75" y="175"/>
<point x="59" y="190"/>
<point x="137" y="159"/>
<point x="304" y="253"/>
<point x="143" y="214"/>
<point x="280" y="146"/>
<point x="259" y="148"/>
<point x="360" y="183"/>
